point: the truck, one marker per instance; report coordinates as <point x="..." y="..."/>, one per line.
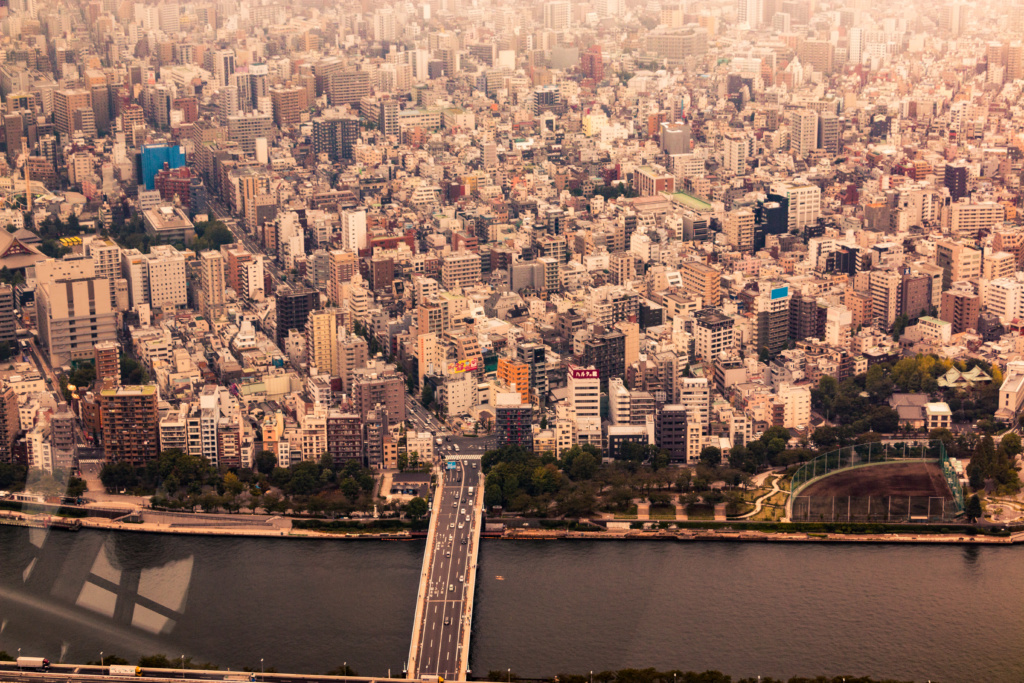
<point x="39" y="663"/>
<point x="124" y="670"/>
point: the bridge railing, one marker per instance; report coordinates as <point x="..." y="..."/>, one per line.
<point x="874" y="453"/>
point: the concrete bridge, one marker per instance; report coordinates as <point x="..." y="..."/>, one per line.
<point x="444" y="603"/>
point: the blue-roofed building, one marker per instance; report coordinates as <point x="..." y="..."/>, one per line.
<point x="155" y="156"/>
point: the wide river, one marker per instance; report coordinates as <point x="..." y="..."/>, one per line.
<point x="911" y="612"/>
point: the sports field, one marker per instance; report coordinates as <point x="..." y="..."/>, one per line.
<point x="890" y="492"/>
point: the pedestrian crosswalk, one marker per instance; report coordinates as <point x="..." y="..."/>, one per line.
<point x="463" y="456"/>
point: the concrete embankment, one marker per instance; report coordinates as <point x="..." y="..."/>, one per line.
<point x="762" y="537"/>
<point x="263" y="530"/>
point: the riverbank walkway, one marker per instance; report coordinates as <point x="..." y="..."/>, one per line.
<point x="444" y="602"/>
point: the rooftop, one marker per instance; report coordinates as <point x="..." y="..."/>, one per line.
<point x="689" y="201"/>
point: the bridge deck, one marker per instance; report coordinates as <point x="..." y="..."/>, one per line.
<point x="440" y="641"/>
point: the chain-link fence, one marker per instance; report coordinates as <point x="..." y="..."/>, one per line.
<point x="865" y="454"/>
<point x="887" y="509"/>
<point x="882" y="507"/>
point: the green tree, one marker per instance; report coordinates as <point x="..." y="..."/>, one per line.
<point x="265" y="462"/>
<point x="825" y="438"/>
<point x="584" y="466"/>
<point x="76" y="487"/>
<point x="711" y="456"/>
<point x="232" y="484"/>
<point x="132" y="372"/>
<point x="427" y="395"/>
<point x="416" y="508"/>
<point x="1010" y="444"/>
<point x="118" y="475"/>
<point x="899" y="325"/>
<point x="973" y="510"/>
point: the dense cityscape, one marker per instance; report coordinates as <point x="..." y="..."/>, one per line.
<point x="466" y="269"/>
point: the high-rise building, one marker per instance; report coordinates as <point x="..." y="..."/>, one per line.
<point x="818" y="54"/>
<point x="246" y="128"/>
<point x="322" y="340"/>
<point x="828" y="132"/>
<point x="107" y="359"/>
<point x="73" y="316"/>
<point x="10" y="424"/>
<point x="557" y="15"/>
<point x="585" y="401"/>
<point x="713" y="334"/>
<point x="960" y="307"/>
<point x="671" y="430"/>
<point x="955" y="180"/>
<point x="749" y="13"/>
<point x="131" y="423"/>
<point x="460" y="270"/>
<point x="211" y="303"/>
<point x="591" y="63"/>
<point x="287" y="104"/>
<point x="65" y="103"/>
<point x="606" y="353"/>
<point x="353" y="230"/>
<point x="513" y="421"/>
<point x="803" y="132"/>
<point x="885" y="298"/>
<point x="379" y="384"/>
<point x="223" y="67"/>
<point x="734" y="153"/>
<point x="294" y="304"/>
<point x="704" y="281"/>
<point x="958" y="261"/>
<point x="675" y="137"/>
<point x="739" y="229"/>
<point x="967" y="219"/>
<point x="803" y="203"/>
<point x="694" y="393"/>
<point x="516" y="374"/>
<point x="535" y="356"/>
<point x="8" y="322"/>
<point x="387" y="121"/>
<point x="348" y="87"/>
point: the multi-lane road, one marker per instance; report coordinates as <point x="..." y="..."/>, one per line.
<point x="445" y="616"/>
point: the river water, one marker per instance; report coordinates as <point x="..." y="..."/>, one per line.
<point x="910" y="612"/>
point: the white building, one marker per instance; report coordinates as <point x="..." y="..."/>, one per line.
<point x="804" y="202"/>
<point x="585" y="400"/>
<point x="695" y="394"/>
<point x="353" y="230"/>
<point x="796" y="401"/>
<point x="166" y="276"/>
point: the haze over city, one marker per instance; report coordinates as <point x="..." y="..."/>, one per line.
<point x="557" y="341"/>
